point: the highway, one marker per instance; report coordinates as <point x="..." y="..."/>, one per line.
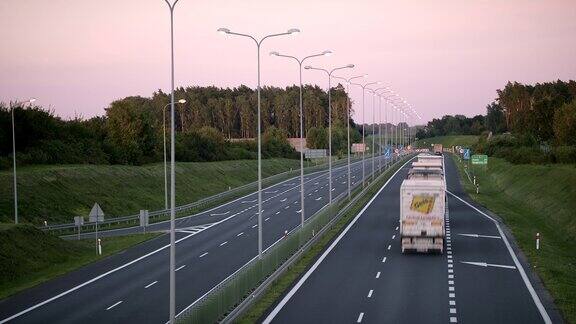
<point x="364" y="278"/>
<point x="133" y="286"/>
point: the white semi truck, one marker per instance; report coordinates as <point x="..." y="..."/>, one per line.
<point x="422" y="208"/>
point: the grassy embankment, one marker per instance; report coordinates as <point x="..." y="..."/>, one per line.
<point x="58" y="193"/>
<point x="533" y="199"/>
<point x="29" y="257"/>
<point x="448" y="141"/>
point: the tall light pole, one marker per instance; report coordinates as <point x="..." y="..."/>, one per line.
<point x="30" y="101"/>
<point x="181" y="101"/>
<point x="329" y="73"/>
<point x="172" y="174"/>
<point x="380" y="127"/>
<point x="363" y="138"/>
<point x="300" y="61"/>
<point x="258" y="44"/>
<point x="374" y="94"/>
<point x="348" y="123"/>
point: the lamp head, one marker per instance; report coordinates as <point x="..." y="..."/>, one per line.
<point x="274" y="53"/>
<point x="327" y="53"/>
<point x="32" y="100"/>
<point x="294" y="31"/>
<point x="350" y="66"/>
<point x="307" y="67"/>
<point x="223" y="31"/>
<point x="182" y="101"/>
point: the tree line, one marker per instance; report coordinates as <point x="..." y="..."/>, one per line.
<point x="206" y="124"/>
<point x="536" y="123"/>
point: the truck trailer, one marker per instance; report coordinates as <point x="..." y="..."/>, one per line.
<point x="422" y="208"/>
<point x="438" y="149"/>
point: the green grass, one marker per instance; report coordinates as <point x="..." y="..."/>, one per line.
<point x="536" y="199"/>
<point x="279" y="287"/>
<point x="58" y="193"/>
<point x="29" y="257"/>
<point x="448" y="141"/>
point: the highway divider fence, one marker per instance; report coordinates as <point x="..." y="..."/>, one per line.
<point x="228" y="298"/>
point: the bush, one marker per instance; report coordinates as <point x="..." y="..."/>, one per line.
<point x="564" y="154"/>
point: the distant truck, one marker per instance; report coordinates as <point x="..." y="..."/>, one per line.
<point x="423" y="206"/>
<point x="438" y="149"/>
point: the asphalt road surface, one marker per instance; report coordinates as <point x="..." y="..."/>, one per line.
<point x="364" y="278"/>
<point x="134" y="286"/>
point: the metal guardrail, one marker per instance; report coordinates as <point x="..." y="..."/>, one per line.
<point x="184" y="210"/>
<point x="241" y="285"/>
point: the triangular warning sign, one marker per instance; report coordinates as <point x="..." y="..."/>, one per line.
<point x="96" y="212"/>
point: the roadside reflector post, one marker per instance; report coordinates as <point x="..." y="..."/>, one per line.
<point x="477" y="188"/>
<point x="537" y="241"/>
<point x="100" y="246"/>
<point x="474" y="179"/>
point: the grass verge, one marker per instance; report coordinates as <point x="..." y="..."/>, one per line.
<point x="448" y="141"/>
<point x="279" y="287"/>
<point x="535" y="199"/>
<point x="29" y="257"/>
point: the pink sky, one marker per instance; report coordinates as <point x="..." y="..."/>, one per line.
<point x="444" y="57"/>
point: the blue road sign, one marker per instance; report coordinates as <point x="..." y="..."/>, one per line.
<point x="388" y="152"/>
<point x="466" y="154"/>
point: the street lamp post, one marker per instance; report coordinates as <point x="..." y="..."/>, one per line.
<point x="302" y="217"/>
<point x="329" y="73"/>
<point x="171" y="6"/>
<point x="182" y="101"/>
<point x="363" y="139"/>
<point x="348" y="124"/>
<point x="374" y="94"/>
<point x="30" y="101"/>
<point x="258" y="44"/>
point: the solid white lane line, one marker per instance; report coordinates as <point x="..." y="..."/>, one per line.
<point x="181" y="267"/>
<point x="150" y="284"/>
<point x="223" y="243"/>
<point x="220" y="214"/>
<point x="299" y="284"/>
<point x="239" y="234"/>
<point x="203" y="254"/>
<point x="378" y="275"/>
<point x="360" y="318"/>
<point x="118" y="303"/>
